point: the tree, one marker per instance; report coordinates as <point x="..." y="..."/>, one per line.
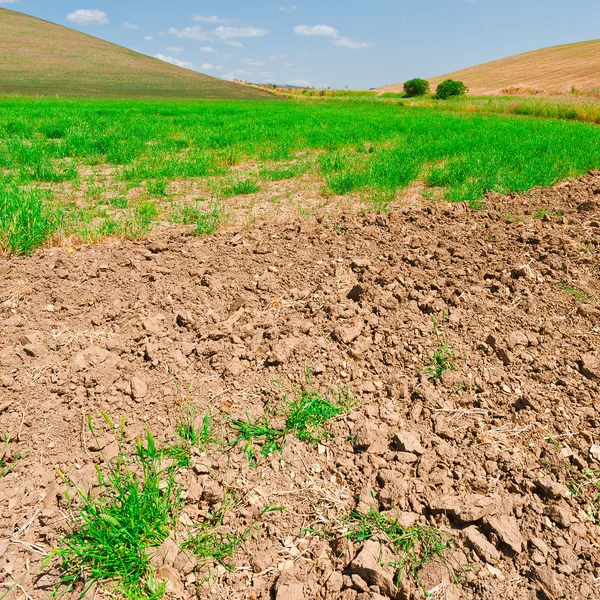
<point x="450" y="88"/>
<point x="416" y="87"/>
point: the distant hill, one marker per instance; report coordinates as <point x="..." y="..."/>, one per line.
<point x="555" y="69"/>
<point x="45" y="59"/>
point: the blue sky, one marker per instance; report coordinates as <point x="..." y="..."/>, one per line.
<point x="338" y="43"/>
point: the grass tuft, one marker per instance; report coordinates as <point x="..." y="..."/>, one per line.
<point x="443" y="358"/>
<point x="7" y="464"/>
<point x="26" y="221"/>
<point x="208" y="222"/>
<point x="136" y="507"/>
<point x="416" y="545"/>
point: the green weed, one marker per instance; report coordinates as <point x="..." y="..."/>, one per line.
<point x="253" y="431"/>
<point x="208" y="222"/>
<point x="190" y="436"/>
<point x="26" y="220"/>
<point x="187" y="214"/>
<point x="7" y="464"/>
<point x="136" y="508"/>
<point x="416" y="545"/>
<point x="546" y="212"/>
<point x="579" y="296"/>
<point x="443" y="358"/>
<point x="157" y="187"/>
<point x="307" y="414"/>
<point x="211" y="542"/>
<point x="240" y="188"/>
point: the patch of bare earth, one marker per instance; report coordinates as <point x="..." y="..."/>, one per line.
<point x="230" y="322"/>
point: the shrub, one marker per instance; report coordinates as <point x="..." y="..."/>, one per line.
<point x="416" y="87"/>
<point x="450" y="88"/>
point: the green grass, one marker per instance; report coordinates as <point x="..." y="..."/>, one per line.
<point x="443" y="358"/>
<point x="305" y="417"/>
<point x="190" y="437"/>
<point x="27" y="220"/>
<point x="211" y="542"/>
<point x="240" y="188"/>
<point x="208" y="222"/>
<point x="579" y="296"/>
<point x="363" y="149"/>
<point x="415" y="546"/>
<point x="7" y="464"/>
<point x="136" y="509"/>
<point x="545" y="212"/>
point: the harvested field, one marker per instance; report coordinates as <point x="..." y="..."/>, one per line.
<point x="453" y="356"/>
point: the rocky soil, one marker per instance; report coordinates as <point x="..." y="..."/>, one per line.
<point x="502" y="452"/>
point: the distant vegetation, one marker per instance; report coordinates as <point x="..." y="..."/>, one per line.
<point x="81" y="170"/>
<point x="550" y="70"/>
<point x="450" y="88"/>
<point x="416" y="87"/>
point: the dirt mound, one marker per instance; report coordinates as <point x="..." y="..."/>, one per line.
<point x="469" y="346"/>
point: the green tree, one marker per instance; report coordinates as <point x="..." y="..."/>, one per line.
<point x="416" y="87"/>
<point x="450" y="88"/>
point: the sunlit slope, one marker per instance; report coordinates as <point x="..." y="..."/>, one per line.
<point x="555" y="69"/>
<point x="45" y="59"/>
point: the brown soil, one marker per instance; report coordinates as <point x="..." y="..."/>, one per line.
<point x="554" y="69"/>
<point x="230" y="322"/>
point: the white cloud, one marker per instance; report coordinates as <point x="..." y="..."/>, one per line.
<point x="10" y="1"/>
<point x="288" y="8"/>
<point x="333" y="34"/>
<point x="253" y="62"/>
<point x="207" y="66"/>
<point x="348" y="43"/>
<point x="324" y="30"/>
<point x="88" y="17"/>
<point x="129" y="26"/>
<point x="213" y="19"/>
<point x="208" y="50"/>
<point x="237" y="74"/>
<point x="224" y="33"/>
<point x="148" y="38"/>
<point x="174" y="61"/>
<point x="277" y="56"/>
<point x="175" y="49"/>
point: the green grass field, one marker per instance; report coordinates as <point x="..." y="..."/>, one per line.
<point x="86" y="169"/>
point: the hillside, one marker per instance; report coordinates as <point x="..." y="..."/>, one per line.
<point x="45" y="59"/>
<point x="555" y="69"/>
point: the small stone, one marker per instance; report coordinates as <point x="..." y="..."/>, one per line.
<point x="590" y="366"/>
<point x="507" y="529"/>
<point x="335" y="582"/>
<point x="139" y="388"/>
<point x="595" y="453"/>
<point x="549" y="582"/>
<point x="466" y="509"/>
<point x="407" y="441"/>
<point x="289" y="588"/>
<point x="551" y="488"/>
<point x="478" y="542"/>
<point x="346" y="335"/>
<point x="372" y="563"/>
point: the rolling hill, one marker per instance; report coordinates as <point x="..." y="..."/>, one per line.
<point x="44" y="59"/>
<point x="554" y="69"/>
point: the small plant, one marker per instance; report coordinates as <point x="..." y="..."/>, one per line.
<point x="240" y="188"/>
<point x="307" y="415"/>
<point x="211" y="543"/>
<point x="187" y="214"/>
<point x="190" y="436"/>
<point x="136" y="508"/>
<point x="443" y="358"/>
<point x="416" y="545"/>
<point x="7" y="464"/>
<point x="157" y="187"/>
<point x="547" y="213"/>
<point x="26" y="221"/>
<point x="250" y="431"/>
<point x="208" y="222"/>
<point x="416" y="87"/>
<point x="450" y="88"/>
<point x="579" y="296"/>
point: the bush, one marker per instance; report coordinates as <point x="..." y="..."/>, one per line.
<point x="416" y="87"/>
<point x="450" y="88"/>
